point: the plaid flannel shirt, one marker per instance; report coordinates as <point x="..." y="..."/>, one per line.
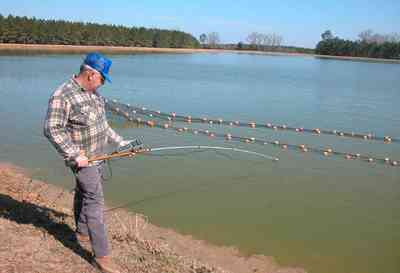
<point x="76" y="122"/>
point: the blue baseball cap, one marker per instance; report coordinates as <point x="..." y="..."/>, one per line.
<point x="99" y="63"/>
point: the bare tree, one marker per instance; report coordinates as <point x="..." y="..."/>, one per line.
<point x="378" y="38"/>
<point x="280" y="40"/>
<point x="276" y="40"/>
<point x="266" y="39"/>
<point x="393" y="37"/>
<point x="368" y="36"/>
<point x="396" y="37"/>
<point x="365" y="36"/>
<point x="213" y="38"/>
<point x="252" y="38"/>
<point x="255" y="39"/>
<point x="259" y="39"/>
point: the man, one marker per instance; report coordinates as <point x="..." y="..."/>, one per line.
<point x="76" y="125"/>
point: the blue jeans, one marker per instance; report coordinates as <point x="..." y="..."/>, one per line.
<point x="89" y="207"/>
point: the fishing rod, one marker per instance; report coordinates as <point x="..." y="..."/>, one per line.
<point x="327" y="152"/>
<point x="117" y="106"/>
<point x="132" y="150"/>
<point x="135" y="147"/>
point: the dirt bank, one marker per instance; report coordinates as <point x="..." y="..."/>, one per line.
<point x="71" y="49"/>
<point x="37" y="235"/>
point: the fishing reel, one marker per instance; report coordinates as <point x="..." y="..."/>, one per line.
<point x="132" y="146"/>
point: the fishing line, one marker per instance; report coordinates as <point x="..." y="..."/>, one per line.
<point x="187" y="189"/>
<point x="172" y="148"/>
<point x="180" y="154"/>
<point x="214" y="148"/>
<point x="116" y="107"/>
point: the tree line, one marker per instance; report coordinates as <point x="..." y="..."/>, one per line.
<point x="15" y="29"/>
<point x="255" y="41"/>
<point x="369" y="44"/>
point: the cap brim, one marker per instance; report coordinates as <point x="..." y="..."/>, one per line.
<point x="106" y="77"/>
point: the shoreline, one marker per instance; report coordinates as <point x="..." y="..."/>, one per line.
<point x="357" y="59"/>
<point x="75" y="49"/>
<point x="32" y="49"/>
<point x="34" y="211"/>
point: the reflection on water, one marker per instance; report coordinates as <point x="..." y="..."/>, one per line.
<point x="324" y="214"/>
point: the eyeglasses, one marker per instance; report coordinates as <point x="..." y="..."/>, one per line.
<point x="102" y="79"/>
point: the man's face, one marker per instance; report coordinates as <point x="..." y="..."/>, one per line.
<point x="95" y="80"/>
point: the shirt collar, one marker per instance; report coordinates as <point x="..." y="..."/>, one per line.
<point x="80" y="88"/>
<point x="76" y="85"/>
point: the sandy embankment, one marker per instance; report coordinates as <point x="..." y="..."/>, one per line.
<point x="37" y="235"/>
<point x="72" y="49"/>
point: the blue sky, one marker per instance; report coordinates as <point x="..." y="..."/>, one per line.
<point x="299" y="22"/>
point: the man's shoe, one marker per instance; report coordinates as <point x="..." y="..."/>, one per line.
<point x="106" y="265"/>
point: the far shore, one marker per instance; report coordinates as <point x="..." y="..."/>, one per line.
<point x="74" y="49"/>
<point x="31" y="49"/>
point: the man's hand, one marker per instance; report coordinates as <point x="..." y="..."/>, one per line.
<point x="82" y="161"/>
<point x="130" y="144"/>
<point x="124" y="143"/>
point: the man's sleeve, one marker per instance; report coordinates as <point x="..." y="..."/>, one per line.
<point x="112" y="135"/>
<point x="55" y="128"/>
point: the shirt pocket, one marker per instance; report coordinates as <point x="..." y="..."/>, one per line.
<point x="83" y="116"/>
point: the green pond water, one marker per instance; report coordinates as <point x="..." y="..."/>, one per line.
<point x="327" y="215"/>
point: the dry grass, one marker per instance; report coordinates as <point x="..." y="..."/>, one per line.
<point x="71" y="49"/>
<point x="37" y="235"/>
